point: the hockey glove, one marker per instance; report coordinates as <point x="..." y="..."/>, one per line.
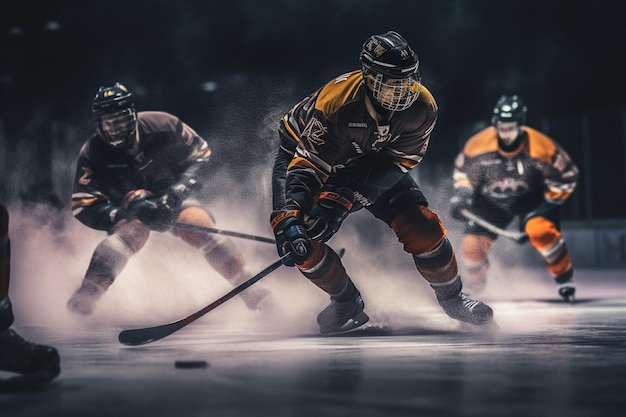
<point x="148" y="209"/>
<point x="291" y="235"/>
<point x="462" y="199"/>
<point x="332" y="207"/>
<point x="175" y="196"/>
<point x="545" y="209"/>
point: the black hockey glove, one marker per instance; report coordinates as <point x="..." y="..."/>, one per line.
<point x="175" y="195"/>
<point x="545" y="209"/>
<point x="291" y="235"/>
<point x="148" y="209"/>
<point x="332" y="207"/>
<point x="462" y="199"/>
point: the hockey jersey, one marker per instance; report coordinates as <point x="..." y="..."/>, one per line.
<point x="332" y="129"/>
<point x="540" y="170"/>
<point x="166" y="148"/>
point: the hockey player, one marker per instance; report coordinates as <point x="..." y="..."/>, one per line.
<point x="349" y="145"/>
<point x="138" y="173"/>
<point x="510" y="170"/>
<point x="37" y="364"/>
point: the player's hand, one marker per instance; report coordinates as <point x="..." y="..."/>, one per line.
<point x="148" y="209"/>
<point x="332" y="207"/>
<point x="291" y="235"/>
<point x="462" y="199"/>
<point x="175" y="195"/>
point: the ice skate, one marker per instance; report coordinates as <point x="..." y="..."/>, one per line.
<point x="460" y="307"/>
<point x="568" y="291"/>
<point x="36" y="364"/>
<point x="84" y="298"/>
<point x="342" y="316"/>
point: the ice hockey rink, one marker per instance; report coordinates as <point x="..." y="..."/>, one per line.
<point x="548" y="358"/>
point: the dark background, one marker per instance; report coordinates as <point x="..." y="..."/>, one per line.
<point x="231" y="69"/>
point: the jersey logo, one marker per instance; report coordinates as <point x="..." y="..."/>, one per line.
<point x="506" y="188"/>
<point x="84" y="178"/>
<point x="314" y="131"/>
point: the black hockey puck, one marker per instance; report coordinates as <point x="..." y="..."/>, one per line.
<point x="191" y="364"/>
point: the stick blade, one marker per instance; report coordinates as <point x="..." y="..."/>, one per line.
<point x="136" y="337"/>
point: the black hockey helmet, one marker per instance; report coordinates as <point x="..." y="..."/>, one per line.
<point x="391" y="70"/>
<point x="114" y="115"/>
<point x="509" y="109"/>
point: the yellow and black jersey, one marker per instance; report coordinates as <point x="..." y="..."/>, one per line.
<point x="332" y="129"/>
<point x="166" y="148"/>
<point x="540" y="170"/>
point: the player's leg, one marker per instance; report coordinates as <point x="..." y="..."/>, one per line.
<point x="474" y="251"/>
<point x="419" y="229"/>
<point x="545" y="237"/>
<point x="38" y="363"/>
<point x="325" y="270"/>
<point x="222" y="254"/>
<point x="107" y="262"/>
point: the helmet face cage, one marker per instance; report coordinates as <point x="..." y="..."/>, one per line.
<point x="114" y="115"/>
<point x="395" y="94"/>
<point x="391" y="71"/>
<point x="117" y="128"/>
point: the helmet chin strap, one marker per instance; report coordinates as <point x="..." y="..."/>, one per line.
<point x="134" y="150"/>
<point x="380" y="114"/>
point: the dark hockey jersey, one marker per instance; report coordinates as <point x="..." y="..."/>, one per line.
<point x="516" y="182"/>
<point x="167" y="147"/>
<point x="332" y="129"/>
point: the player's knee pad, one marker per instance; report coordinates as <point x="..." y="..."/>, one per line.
<point x="133" y="233"/>
<point x="542" y="233"/>
<point x="194" y="215"/>
<point x="418" y="229"/>
<point x="475" y="248"/>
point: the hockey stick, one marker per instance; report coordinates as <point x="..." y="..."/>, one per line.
<point x="224" y="232"/>
<point x="142" y="336"/>
<point x="518" y="237"/>
<point x="134" y="337"/>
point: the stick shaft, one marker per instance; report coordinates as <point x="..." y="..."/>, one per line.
<point x="141" y="336"/>
<point x="224" y="232"/>
<point x="516" y="236"/>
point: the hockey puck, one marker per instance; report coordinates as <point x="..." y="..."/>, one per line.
<point x="190" y="364"/>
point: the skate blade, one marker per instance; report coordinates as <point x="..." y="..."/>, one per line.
<point x="350" y="325"/>
<point x="490" y="326"/>
<point x="570" y="299"/>
<point x="27" y="382"/>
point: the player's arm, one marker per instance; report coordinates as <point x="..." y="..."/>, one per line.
<point x="561" y="177"/>
<point x="288" y="144"/>
<point x="90" y="203"/>
<point x="464" y="189"/>
<point x="193" y="167"/>
<point x="560" y="180"/>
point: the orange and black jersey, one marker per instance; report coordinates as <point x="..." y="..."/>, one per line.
<point x="514" y="182"/>
<point x="166" y="149"/>
<point x="333" y="129"/>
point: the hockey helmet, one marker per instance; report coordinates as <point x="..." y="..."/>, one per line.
<point x="509" y="109"/>
<point x="114" y="115"/>
<point x="509" y="117"/>
<point x="391" y="71"/>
